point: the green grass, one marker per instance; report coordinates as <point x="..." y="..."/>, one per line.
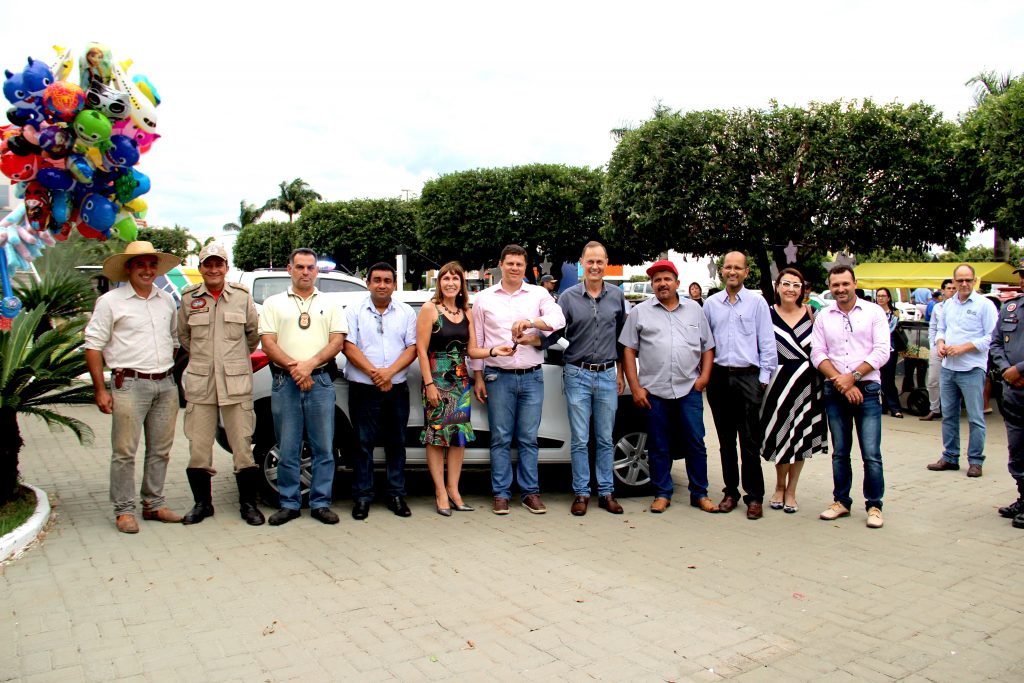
<point x="14" y="513"/>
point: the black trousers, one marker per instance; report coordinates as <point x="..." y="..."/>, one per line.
<point x="735" y="401"/>
<point x="1013" y="416"/>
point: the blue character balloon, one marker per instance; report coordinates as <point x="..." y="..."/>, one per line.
<point x="123" y="152"/>
<point x="98" y="212"/>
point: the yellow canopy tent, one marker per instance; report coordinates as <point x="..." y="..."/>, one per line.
<point x="930" y="275"/>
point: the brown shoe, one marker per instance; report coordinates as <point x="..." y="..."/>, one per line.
<point x="943" y="465"/>
<point x="127" y="524"/>
<point x="660" y="504"/>
<point x="579" y="505"/>
<point x="728" y="504"/>
<point x="500" y="506"/>
<point x="974" y="471"/>
<point x="161" y="515"/>
<point x="705" y="504"/>
<point x="534" y="504"/>
<point x="930" y="416"/>
<point x="754" y="511"/>
<point x="609" y="503"/>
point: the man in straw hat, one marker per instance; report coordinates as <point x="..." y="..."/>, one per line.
<point x="132" y="331"/>
<point x="218" y="326"/>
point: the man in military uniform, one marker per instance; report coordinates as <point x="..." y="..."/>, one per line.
<point x="218" y="327"/>
<point x="1008" y="357"/>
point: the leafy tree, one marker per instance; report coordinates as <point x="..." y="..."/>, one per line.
<point x="247" y="215"/>
<point x="895" y="255"/>
<point x="265" y="245"/>
<point x="551" y="210"/>
<point x="978" y="253"/>
<point x="176" y="240"/>
<point x="293" y="197"/>
<point x="64" y="295"/>
<point x="827" y="177"/>
<point x="361" y="232"/>
<point x="37" y="374"/>
<point x="993" y="146"/>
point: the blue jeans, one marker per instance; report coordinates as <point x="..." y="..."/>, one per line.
<point x="867" y="416"/>
<point x="591" y="394"/>
<point x="311" y="412"/>
<point x="681" y="419"/>
<point x="385" y="414"/>
<point x="969" y="384"/>
<point x="514" y="404"/>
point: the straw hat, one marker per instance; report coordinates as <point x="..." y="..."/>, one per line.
<point x="114" y="266"/>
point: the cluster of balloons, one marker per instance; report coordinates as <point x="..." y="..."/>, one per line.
<point x="70" y="151"/>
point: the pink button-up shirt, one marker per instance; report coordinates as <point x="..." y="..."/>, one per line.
<point x="494" y="311"/>
<point x="849" y="339"/>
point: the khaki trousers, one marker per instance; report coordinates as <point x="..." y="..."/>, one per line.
<point x="201" y="429"/>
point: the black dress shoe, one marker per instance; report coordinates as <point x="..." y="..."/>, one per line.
<point x="360" y="509"/>
<point x="198" y="513"/>
<point x="251" y="514"/>
<point x="1013" y="509"/>
<point x="324" y="514"/>
<point x="283" y="516"/>
<point x="399" y="507"/>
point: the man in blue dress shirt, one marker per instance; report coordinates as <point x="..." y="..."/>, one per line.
<point x="963" y="337"/>
<point x="745" y="357"/>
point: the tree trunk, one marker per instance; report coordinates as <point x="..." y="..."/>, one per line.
<point x="764" y="262"/>
<point x="10" y="446"/>
<point x="1000" y="247"/>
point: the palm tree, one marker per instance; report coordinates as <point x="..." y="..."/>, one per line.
<point x="293" y="197"/>
<point x="990" y="84"/>
<point x="247" y="215"/>
<point x="37" y="374"/>
<point x="65" y="294"/>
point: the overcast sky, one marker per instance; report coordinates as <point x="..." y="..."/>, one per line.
<point x="372" y="101"/>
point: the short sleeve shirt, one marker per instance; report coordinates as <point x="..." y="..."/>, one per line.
<point x="281" y="314"/>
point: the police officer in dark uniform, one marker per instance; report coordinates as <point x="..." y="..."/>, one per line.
<point x="1008" y="358"/>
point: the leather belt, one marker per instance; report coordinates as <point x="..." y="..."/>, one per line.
<point x="594" y="367"/>
<point x="518" y="371"/>
<point x="747" y="370"/>
<point x="156" y="376"/>
<point x="274" y="370"/>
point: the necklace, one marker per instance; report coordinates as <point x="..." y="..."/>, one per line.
<point x="454" y="314"/>
<point x="304" y="314"/>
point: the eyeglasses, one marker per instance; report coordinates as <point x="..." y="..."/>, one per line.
<point x="380" y="323"/>
<point x="964" y="280"/>
<point x="849" y="325"/>
<point x="786" y="284"/>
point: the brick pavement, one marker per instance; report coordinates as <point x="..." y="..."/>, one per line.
<point x="934" y="596"/>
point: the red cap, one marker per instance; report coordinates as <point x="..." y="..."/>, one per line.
<point x="663" y="264"/>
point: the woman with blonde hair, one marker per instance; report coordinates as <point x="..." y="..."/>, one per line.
<point x="792" y="412"/>
<point x="444" y="337"/>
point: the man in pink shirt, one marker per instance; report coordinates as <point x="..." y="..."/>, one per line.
<point x="849" y="343"/>
<point x="513" y="387"/>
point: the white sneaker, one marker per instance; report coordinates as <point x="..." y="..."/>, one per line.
<point x="875" y="518"/>
<point x="835" y="511"/>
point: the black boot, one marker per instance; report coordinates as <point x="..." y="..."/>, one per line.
<point x="248" y="485"/>
<point x="199" y="479"/>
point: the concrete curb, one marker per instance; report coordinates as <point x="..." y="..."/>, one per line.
<point x="14" y="543"/>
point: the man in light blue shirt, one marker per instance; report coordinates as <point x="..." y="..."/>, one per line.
<point x="380" y="346"/>
<point x="745" y="357"/>
<point x="963" y="334"/>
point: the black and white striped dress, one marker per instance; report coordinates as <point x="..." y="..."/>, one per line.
<point x="793" y="412"/>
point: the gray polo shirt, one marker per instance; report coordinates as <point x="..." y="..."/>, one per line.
<point x="668" y="345"/>
<point x="592" y="326"/>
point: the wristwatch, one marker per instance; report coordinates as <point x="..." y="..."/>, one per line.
<point x="857" y="376"/>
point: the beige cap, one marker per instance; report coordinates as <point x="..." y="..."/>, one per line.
<point x="213" y="249"/>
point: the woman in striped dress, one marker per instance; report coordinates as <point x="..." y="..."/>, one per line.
<point x="792" y="413"/>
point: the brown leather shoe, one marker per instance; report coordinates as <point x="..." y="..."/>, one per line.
<point x="974" y="471"/>
<point x="705" y="504"/>
<point x="754" y="511"/>
<point x="579" y="505"/>
<point x="534" y="504"/>
<point x="930" y="416"/>
<point x="500" y="506"/>
<point x="943" y="465"/>
<point x="161" y="515"/>
<point x="609" y="503"/>
<point x="127" y="524"/>
<point x="660" y="504"/>
<point x="728" y="504"/>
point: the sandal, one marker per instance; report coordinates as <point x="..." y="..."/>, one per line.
<point x="790" y="508"/>
<point x="898" y="414"/>
<point x="775" y="504"/>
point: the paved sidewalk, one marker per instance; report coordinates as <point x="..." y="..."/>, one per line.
<point x="934" y="596"/>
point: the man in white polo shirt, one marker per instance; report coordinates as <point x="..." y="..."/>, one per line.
<point x="302" y="331"/>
